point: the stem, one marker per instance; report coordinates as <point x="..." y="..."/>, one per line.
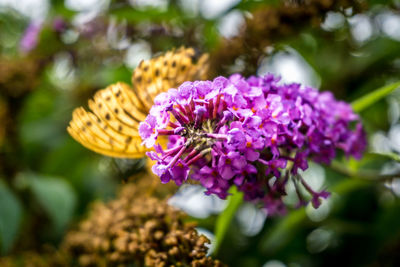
<point x="198" y="156"/>
<point x="179" y="117"/>
<point x="210" y="108"/>
<point x="199" y="118"/>
<point x="171" y="151"/>
<point x="217" y="136"/>
<point x="189" y="113"/>
<point x="165" y="132"/>
<point x="216" y="106"/>
<point x="306" y="186"/>
<point x="176" y="157"/>
<point x="191" y="155"/>
<point x="302" y="202"/>
<point x="173" y="125"/>
<point x="224" y="219"/>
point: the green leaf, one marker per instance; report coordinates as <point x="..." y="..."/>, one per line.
<point x="392" y="156"/>
<point x="10" y="217"/>
<point x="225" y="218"/>
<point x="56" y="197"/>
<point x="369" y="99"/>
<point x="149" y="14"/>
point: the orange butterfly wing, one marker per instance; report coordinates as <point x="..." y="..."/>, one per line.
<point x="112" y="127"/>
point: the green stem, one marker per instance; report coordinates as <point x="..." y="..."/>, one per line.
<point x="225" y="218"/>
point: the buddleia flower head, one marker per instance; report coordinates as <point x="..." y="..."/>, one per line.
<point x="254" y="133"/>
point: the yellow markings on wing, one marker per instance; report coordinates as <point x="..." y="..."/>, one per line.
<point x="170" y="70"/>
<point x="111" y="127"/>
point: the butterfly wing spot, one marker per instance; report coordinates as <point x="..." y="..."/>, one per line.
<point x="111" y="124"/>
<point x="128" y="139"/>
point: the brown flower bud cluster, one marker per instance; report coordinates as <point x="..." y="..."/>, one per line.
<point x="137" y="229"/>
<point x="46" y="258"/>
<point x="270" y="23"/>
<point x="18" y="76"/>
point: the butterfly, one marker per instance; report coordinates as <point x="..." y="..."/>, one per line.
<point x="111" y="127"/>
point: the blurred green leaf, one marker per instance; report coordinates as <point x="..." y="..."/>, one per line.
<point x="60" y="9"/>
<point x="149" y="14"/>
<point x="211" y="34"/>
<point x="10" y="217"/>
<point x="225" y="218"/>
<point x="251" y="4"/>
<point x="56" y="196"/>
<point x="369" y="99"/>
<point x="392" y="156"/>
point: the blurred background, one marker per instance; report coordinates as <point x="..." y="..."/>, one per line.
<point x="55" y="54"/>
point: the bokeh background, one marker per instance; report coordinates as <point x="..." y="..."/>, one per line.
<point x="55" y="54"/>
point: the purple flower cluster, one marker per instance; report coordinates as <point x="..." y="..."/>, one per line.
<point x="254" y="133"/>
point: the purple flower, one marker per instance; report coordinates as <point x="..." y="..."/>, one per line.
<point x="30" y="38"/>
<point x="231" y="164"/>
<point x="273" y="166"/>
<point x="236" y="138"/>
<point x="162" y="171"/>
<point x="252" y="146"/>
<point x="274" y="205"/>
<point x="147" y="131"/>
<point x="59" y="24"/>
<point x="299" y="162"/>
<point x="316" y="198"/>
<point x="249" y="169"/>
<point x="180" y="172"/>
<point x="253" y="133"/>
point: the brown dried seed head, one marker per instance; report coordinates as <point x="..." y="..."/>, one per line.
<point x="136" y="228"/>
